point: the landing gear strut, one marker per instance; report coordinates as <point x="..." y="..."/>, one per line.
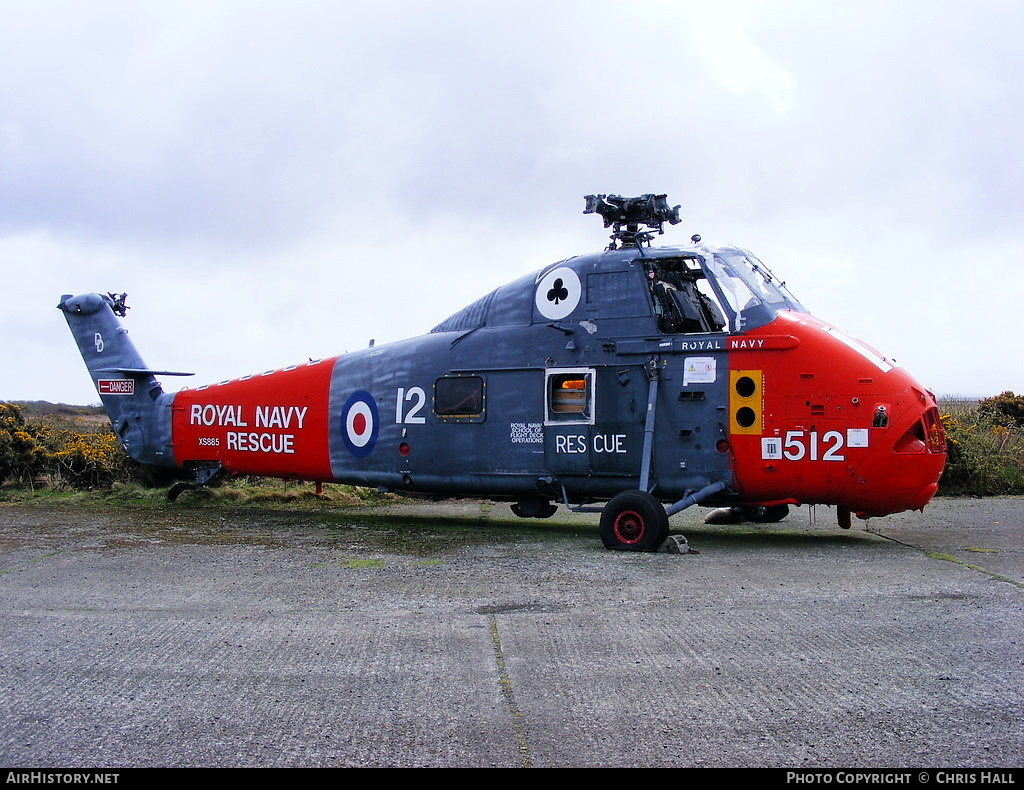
<point x="202" y="475"/>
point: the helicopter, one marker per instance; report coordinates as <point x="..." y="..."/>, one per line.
<point x="636" y="382"/>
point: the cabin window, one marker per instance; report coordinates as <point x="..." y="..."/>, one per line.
<point x="459" y="398"/>
<point x="570" y="396"/>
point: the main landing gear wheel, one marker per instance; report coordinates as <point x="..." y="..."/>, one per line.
<point x="534" y="507"/>
<point x="634" y="521"/>
<point x="759" y="514"/>
<point x="766" y="514"/>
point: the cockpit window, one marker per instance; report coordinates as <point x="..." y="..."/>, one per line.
<point x="683" y="300"/>
<point x="749" y="292"/>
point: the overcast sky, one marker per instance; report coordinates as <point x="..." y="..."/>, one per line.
<point x="272" y="181"/>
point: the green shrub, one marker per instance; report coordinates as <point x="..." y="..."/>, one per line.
<point x="61" y="453"/>
<point x="1006" y="408"/>
<point x="88" y="459"/>
<point x="985" y="448"/>
<point x="22" y="457"/>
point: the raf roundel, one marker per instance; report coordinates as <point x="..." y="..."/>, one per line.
<point x="360" y="422"/>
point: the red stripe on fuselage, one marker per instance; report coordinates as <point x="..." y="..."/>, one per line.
<point x="274" y="424"/>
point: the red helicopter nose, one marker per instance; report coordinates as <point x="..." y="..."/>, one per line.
<point x="902" y="471"/>
<point x="820" y="418"/>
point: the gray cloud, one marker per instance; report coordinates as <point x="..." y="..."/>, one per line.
<point x="304" y="150"/>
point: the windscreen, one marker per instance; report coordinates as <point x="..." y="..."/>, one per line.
<point x="750" y="295"/>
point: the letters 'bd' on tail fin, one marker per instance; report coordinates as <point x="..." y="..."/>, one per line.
<point x="137" y="406"/>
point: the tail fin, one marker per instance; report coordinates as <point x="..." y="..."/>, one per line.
<point x="139" y="411"/>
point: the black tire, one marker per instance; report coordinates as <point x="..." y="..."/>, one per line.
<point x="634" y="521"/>
<point x="534" y="508"/>
<point x="766" y="514"/>
<point x="177" y="490"/>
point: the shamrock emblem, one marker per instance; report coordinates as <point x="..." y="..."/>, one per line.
<point x="558" y="291"/>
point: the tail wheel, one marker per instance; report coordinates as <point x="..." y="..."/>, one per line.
<point x="634" y="521"/>
<point x="177" y="490"/>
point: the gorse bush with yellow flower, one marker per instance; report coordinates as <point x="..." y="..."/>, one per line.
<point x="34" y="452"/>
<point x="89" y="460"/>
<point x="21" y="454"/>
<point x="64" y="448"/>
<point x="985" y="441"/>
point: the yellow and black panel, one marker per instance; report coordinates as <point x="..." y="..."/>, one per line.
<point x="746" y="399"/>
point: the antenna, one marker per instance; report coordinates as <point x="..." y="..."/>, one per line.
<point x="651" y="211"/>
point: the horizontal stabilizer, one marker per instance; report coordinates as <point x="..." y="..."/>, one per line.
<point x="141" y="373"/>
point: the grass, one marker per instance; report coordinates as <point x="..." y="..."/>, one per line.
<point x="350" y="564"/>
<point x="239" y="492"/>
<point x="938" y="555"/>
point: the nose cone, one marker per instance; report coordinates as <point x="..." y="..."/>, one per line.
<point x="839" y="424"/>
<point x="897" y="422"/>
<point x="902" y="470"/>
